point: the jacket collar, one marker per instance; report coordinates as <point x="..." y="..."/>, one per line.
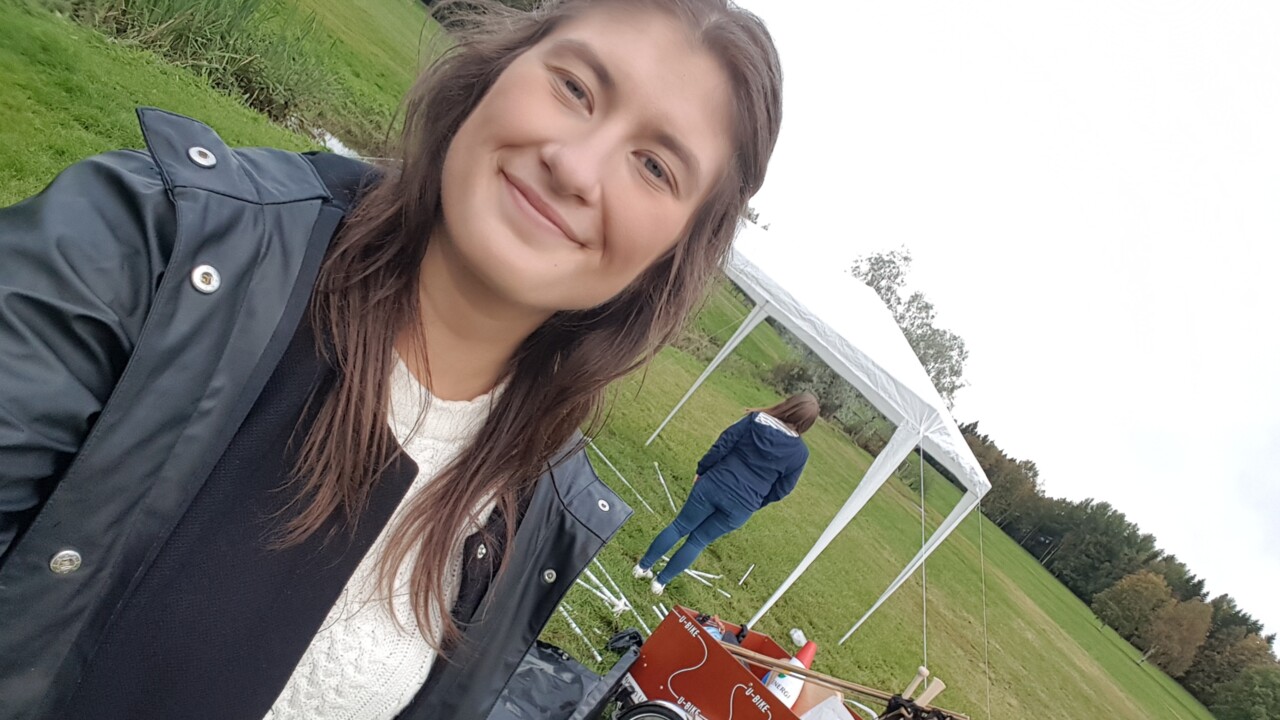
<point x="189" y="154"/>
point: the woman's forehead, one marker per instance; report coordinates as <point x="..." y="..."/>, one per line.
<point x="631" y="36"/>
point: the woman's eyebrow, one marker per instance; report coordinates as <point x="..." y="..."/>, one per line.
<point x="681" y="151"/>
<point x="590" y="58"/>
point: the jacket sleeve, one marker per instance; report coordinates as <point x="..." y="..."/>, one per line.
<point x="80" y="264"/>
<point x="783" y="486"/>
<point x="725" y="443"/>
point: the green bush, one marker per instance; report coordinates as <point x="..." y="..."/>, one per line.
<point x="791" y="376"/>
<point x="696" y="343"/>
<point x="261" y="50"/>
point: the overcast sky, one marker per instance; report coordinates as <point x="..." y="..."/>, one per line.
<point x="1091" y="191"/>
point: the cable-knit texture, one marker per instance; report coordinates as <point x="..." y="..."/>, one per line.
<point x="365" y="664"/>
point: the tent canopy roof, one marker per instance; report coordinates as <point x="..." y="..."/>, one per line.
<point x="829" y="310"/>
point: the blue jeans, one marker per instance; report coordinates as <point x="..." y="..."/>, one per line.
<point x="706" y="516"/>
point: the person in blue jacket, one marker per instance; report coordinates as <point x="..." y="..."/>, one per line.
<point x="756" y="461"/>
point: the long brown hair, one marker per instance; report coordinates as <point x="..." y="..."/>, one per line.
<point x="367" y="294"/>
<point x="800" y="411"/>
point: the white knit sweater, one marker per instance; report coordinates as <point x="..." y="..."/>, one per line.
<point x="364" y="664"/>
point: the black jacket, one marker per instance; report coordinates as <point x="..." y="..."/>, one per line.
<point x="153" y="358"/>
<point x="756" y="461"/>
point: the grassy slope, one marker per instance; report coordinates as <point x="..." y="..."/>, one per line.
<point x="67" y="92"/>
<point x="1049" y="658"/>
<point x="374" y="50"/>
<point x="721" y="315"/>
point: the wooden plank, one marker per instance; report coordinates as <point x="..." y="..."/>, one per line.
<point x="827" y="681"/>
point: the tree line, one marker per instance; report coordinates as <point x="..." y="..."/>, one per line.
<point x="1148" y="596"/>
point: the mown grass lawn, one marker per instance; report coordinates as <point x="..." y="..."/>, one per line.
<point x="1049" y="657"/>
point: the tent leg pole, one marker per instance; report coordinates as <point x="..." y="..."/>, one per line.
<point x="904" y="438"/>
<point x="749" y="323"/>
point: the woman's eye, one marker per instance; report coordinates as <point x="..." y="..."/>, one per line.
<point x="654" y="168"/>
<point x="574" y="88"/>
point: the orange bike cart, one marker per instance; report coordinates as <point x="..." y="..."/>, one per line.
<point x="681" y="663"/>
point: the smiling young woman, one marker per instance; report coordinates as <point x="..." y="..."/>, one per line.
<point x="291" y="436"/>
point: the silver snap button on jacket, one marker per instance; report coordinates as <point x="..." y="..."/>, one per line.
<point x="206" y="279"/>
<point x="548" y="576"/>
<point x="603" y="504"/>
<point x="202" y="157"/>
<point x="482" y="551"/>
<point x="65" y="562"/>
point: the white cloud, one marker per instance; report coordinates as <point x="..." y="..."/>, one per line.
<point x="1092" y="195"/>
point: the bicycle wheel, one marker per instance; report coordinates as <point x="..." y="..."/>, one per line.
<point x="653" y="711"/>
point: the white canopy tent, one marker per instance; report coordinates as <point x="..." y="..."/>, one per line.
<point x="849" y="327"/>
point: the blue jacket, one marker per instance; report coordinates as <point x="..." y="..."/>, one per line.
<point x="757" y="460"/>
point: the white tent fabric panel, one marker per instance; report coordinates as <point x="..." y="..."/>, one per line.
<point x="849" y="327"/>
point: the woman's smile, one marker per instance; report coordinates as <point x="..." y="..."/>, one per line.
<point x="537" y="211"/>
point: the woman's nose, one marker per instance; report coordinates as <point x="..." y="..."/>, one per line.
<point x="576" y="168"/>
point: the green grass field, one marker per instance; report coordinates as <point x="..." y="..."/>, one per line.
<point x="67" y="92"/>
<point x="374" y="51"/>
<point x="1048" y="656"/>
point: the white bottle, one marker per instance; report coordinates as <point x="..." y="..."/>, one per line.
<point x="786" y="686"/>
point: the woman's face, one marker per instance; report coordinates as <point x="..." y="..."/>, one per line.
<point x="586" y="160"/>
